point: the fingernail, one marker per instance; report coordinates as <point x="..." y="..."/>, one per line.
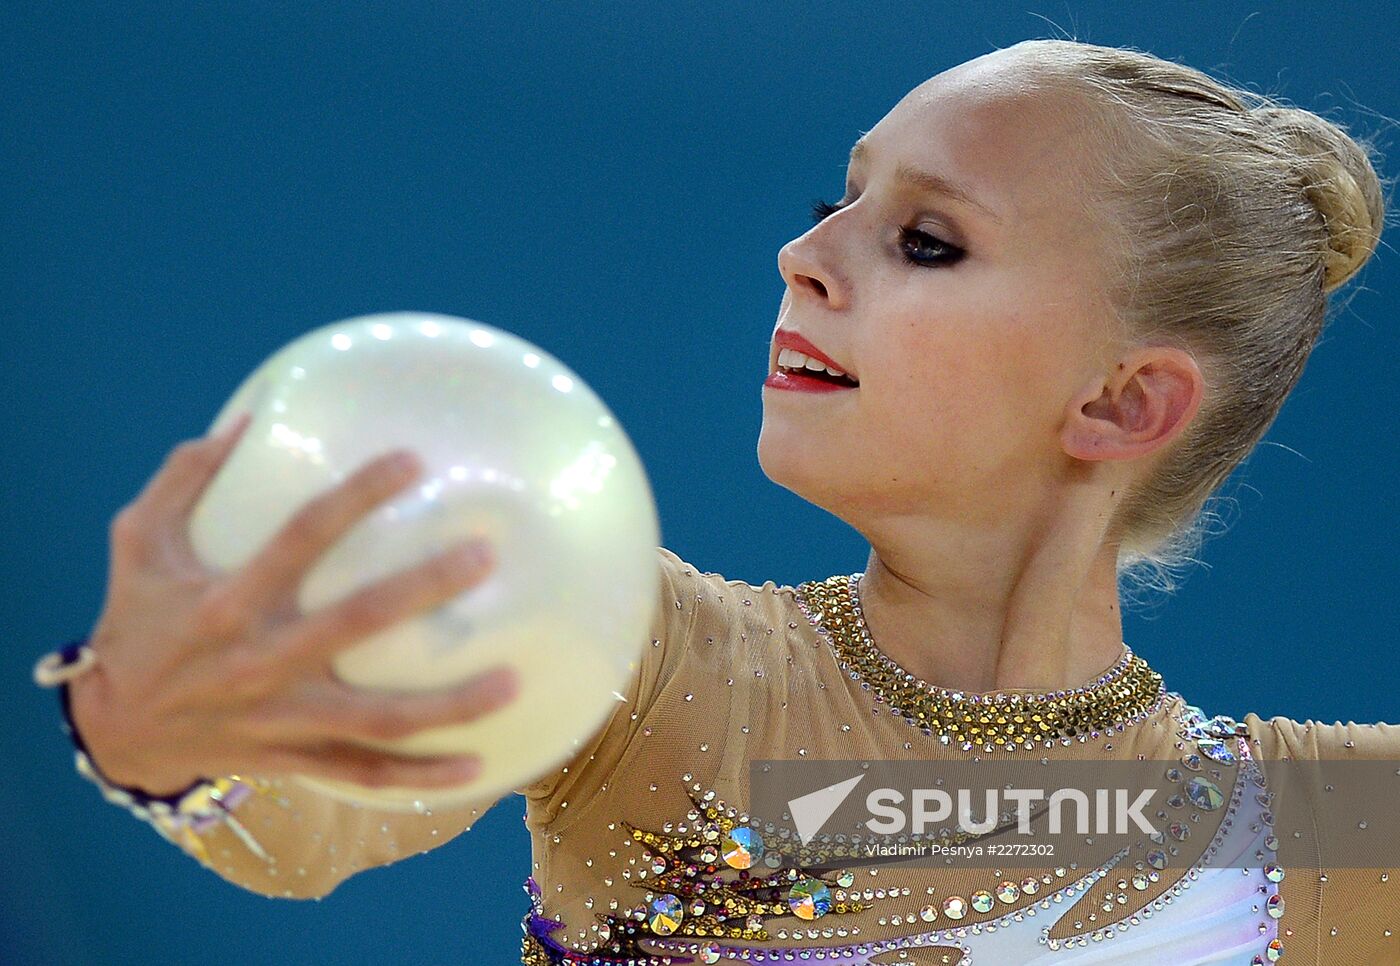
<point x="235" y="425"/>
<point x="504" y="678"/>
<point x="405" y="464"/>
<point x="472" y="553"/>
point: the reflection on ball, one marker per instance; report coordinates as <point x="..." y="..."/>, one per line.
<point x="515" y="448"/>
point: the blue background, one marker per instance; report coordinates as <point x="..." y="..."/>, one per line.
<point x="189" y="186"/>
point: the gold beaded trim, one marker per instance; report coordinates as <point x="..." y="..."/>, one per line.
<point x="1007" y="720"/>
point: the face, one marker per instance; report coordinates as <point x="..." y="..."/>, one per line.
<point x="970" y="325"/>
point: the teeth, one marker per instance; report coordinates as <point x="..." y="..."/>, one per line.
<point x="792" y="359"/>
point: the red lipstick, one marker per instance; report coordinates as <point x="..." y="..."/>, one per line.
<point x="801" y="382"/>
<point x="787" y="339"/>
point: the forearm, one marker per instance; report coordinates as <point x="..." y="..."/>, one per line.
<point x="274" y="836"/>
<point x="289" y="841"/>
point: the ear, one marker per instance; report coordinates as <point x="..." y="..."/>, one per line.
<point x="1145" y="402"/>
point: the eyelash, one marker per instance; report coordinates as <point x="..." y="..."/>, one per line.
<point x="952" y="253"/>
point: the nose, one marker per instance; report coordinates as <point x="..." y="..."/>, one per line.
<point x="805" y="275"/>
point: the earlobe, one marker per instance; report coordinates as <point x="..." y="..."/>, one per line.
<point x="1146" y="404"/>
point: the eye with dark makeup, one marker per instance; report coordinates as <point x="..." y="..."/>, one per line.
<point x="946" y="254"/>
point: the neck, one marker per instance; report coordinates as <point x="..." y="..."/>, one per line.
<point x="946" y="608"/>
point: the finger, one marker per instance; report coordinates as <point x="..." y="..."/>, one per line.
<point x="170" y="495"/>
<point x="323" y="633"/>
<point x="334" y="710"/>
<point x="371" y="768"/>
<point x="277" y="570"/>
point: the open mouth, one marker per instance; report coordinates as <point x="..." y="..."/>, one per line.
<point x="797" y="358"/>
<point x="821" y="375"/>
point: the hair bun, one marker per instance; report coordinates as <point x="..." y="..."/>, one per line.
<point x="1340" y="181"/>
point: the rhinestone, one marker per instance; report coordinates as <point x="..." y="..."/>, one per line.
<point x="928" y="913"/>
<point x="1274" y="950"/>
<point x="1274" y="905"/>
<point x="982" y="901"/>
<point x="1008" y="892"/>
<point x="1274" y="873"/>
<point x="990" y="722"/>
<point x="809" y="899"/>
<point x="1192" y="761"/>
<point x="665" y="914"/>
<point x="955" y="907"/>
<point x="1205" y="794"/>
<point x="1030" y="885"/>
<point x="742" y="847"/>
<point x="1179" y="831"/>
<point x="846" y="878"/>
<point x="1140" y="882"/>
<point x="709" y="953"/>
<point x="1157" y="859"/>
<point x="1216" y="750"/>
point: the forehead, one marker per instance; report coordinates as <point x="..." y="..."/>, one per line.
<point x="1018" y="147"/>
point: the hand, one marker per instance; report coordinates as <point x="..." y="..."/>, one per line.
<point x="203" y="674"/>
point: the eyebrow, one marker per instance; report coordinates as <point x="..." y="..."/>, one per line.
<point x="926" y="181"/>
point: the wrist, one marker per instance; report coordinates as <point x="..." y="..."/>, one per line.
<point x="179" y="814"/>
<point x="86" y="706"/>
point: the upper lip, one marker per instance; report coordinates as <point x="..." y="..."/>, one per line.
<point x="788" y="339"/>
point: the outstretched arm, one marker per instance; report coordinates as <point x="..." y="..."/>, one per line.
<point x="191" y="673"/>
<point x="1338" y="818"/>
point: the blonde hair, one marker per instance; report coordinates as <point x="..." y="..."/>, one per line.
<point x="1231" y="217"/>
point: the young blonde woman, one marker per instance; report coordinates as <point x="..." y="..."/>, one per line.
<point x="1067" y="290"/>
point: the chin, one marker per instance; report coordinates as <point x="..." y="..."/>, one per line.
<point x="799" y="467"/>
<point x="781" y="455"/>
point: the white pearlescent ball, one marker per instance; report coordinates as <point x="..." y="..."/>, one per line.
<point x="516" y="448"/>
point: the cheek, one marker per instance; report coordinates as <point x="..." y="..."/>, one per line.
<point x="954" y="401"/>
<point x="939" y="377"/>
